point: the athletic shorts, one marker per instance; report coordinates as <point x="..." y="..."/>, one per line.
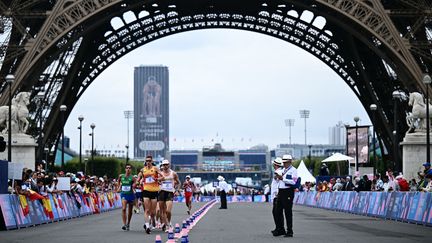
<point x="139" y="195"/>
<point x="165" y="196"/>
<point x="188" y="195"/>
<point x="130" y="198"/>
<point x="150" y="195"/>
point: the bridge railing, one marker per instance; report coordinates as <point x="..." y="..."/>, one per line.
<point x="412" y="207"/>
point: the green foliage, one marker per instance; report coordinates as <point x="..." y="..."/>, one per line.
<point x="136" y="166"/>
<point x="101" y="166"/>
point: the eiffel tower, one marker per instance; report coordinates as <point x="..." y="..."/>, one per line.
<point x="56" y="48"/>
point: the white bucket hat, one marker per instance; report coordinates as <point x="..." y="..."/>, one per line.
<point x="278" y="161"/>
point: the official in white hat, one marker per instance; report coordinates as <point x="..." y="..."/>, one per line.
<point x="277" y="165"/>
<point x="223" y="190"/>
<point x="287" y="182"/>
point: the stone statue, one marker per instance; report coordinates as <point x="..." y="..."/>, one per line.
<point x="416" y="120"/>
<point x="19" y="123"/>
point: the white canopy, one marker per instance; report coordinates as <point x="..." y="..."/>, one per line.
<point x="304" y="173"/>
<point x="337" y="157"/>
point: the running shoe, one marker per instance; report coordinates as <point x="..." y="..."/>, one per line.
<point x="147" y="228"/>
<point x="188" y="212"/>
<point x="124" y="227"/>
<point x="163" y="227"/>
<point x="127" y="227"/>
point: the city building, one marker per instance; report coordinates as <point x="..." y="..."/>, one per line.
<point x="337" y="134"/>
<point x="209" y="163"/>
<point x="151" y="111"/>
<point x="301" y="151"/>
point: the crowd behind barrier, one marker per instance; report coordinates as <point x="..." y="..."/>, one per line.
<point x="413" y="207"/>
<point x="20" y="211"/>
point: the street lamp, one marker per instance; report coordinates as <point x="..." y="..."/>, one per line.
<point x="310" y="158"/>
<point x="80" y="119"/>
<point x="10" y="78"/>
<point x="356" y="119"/>
<point x="128" y="115"/>
<point x="39" y="97"/>
<point x="46" y="150"/>
<point x="289" y="123"/>
<point x="62" y="111"/>
<point x="396" y="95"/>
<point x="373" y="108"/>
<point x="127" y="154"/>
<point x="92" y="126"/>
<point x="304" y="114"/>
<point x="427" y="80"/>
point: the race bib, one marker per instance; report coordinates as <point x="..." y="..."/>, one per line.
<point x="189" y="189"/>
<point x="149" y="179"/>
<point x="137" y="190"/>
<point x="126" y="188"/>
<point x="167" y="185"/>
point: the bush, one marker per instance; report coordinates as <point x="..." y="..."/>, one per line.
<point x="101" y="166"/>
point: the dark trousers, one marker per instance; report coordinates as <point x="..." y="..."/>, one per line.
<point x="284" y="203"/>
<point x="274" y="212"/>
<point x="223" y="199"/>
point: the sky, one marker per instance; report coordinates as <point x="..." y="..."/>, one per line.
<point x="233" y="86"/>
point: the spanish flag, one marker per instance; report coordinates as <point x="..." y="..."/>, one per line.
<point x="35" y="196"/>
<point x="24" y="205"/>
<point x="47" y="208"/>
<point x="102" y="200"/>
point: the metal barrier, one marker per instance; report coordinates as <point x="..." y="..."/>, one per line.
<point x="18" y="211"/>
<point x="413" y="207"/>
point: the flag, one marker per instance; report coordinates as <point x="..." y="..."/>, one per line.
<point x="47" y="208"/>
<point x="35" y="196"/>
<point x="24" y="205"/>
<point x="60" y="202"/>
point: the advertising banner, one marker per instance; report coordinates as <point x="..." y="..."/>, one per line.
<point x="151" y="111"/>
<point x="362" y="139"/>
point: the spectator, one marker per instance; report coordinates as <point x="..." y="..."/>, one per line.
<point x="338" y="185"/>
<point x="379" y="183"/>
<point x="427" y="167"/>
<point x="413" y="185"/>
<point x="402" y="183"/>
<point x="428" y="177"/>
<point x="348" y="186"/>
<point x="324" y="171"/>
<point x="422" y="181"/>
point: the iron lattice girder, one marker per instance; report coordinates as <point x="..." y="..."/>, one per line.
<point x="66" y="17"/>
<point x="66" y="21"/>
<point x="125" y="39"/>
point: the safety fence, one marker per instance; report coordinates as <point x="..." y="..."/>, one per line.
<point x="412" y="207"/>
<point x="18" y="211"/>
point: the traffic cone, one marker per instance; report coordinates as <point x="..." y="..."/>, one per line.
<point x="170" y="234"/>
<point x="177" y="231"/>
<point x="177" y="228"/>
<point x="186" y="237"/>
<point x="158" y="239"/>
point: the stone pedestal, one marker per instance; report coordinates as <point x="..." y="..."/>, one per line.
<point x="23" y="150"/>
<point x="414" y="154"/>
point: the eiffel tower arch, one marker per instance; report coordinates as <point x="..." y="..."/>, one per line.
<point x="59" y="47"/>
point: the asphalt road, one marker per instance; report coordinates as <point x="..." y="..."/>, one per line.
<point x="241" y="222"/>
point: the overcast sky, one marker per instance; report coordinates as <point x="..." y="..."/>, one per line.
<point x="233" y="85"/>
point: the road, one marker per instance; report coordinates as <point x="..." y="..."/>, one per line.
<point x="241" y="222"/>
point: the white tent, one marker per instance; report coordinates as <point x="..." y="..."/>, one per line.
<point x="304" y="173"/>
<point x="337" y="157"/>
